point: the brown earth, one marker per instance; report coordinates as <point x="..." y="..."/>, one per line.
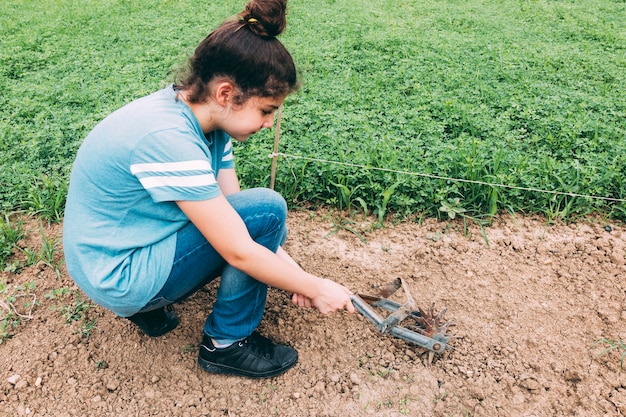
<point x="528" y="306"/>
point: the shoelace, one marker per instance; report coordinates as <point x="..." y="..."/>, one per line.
<point x="260" y="345"/>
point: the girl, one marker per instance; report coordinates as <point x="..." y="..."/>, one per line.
<point x="155" y="212"/>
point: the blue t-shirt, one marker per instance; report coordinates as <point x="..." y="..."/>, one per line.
<point x="121" y="219"/>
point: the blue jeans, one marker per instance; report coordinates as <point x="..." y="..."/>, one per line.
<point x="240" y="302"/>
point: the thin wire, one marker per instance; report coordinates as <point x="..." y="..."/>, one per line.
<point x="440" y="177"/>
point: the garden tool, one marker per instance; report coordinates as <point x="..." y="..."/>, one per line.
<point x="426" y="329"/>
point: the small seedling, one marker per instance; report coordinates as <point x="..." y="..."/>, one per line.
<point x="46" y="254"/>
<point x="189" y="348"/>
<point x="452" y="207"/>
<point x="342" y="223"/>
<point x="11" y="312"/>
<point x="346" y="196"/>
<point x="382" y="209"/>
<point x="49" y="251"/>
<point x="86" y="328"/>
<point x="611" y="345"/>
<point x="77" y="311"/>
<point x="101" y="365"/>
<point x="57" y="293"/>
<point x="10" y="234"/>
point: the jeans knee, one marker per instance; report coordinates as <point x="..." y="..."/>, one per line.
<point x="273" y="207"/>
<point x="259" y="201"/>
<point x="264" y="212"/>
<point x="276" y="204"/>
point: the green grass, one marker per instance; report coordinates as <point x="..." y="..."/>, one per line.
<point x="528" y="94"/>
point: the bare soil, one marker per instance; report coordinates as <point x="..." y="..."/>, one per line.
<point x="529" y="302"/>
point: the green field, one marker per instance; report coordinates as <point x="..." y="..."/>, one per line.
<point x="406" y="107"/>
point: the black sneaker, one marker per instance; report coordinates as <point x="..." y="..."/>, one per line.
<point x="253" y="357"/>
<point x="156" y="322"/>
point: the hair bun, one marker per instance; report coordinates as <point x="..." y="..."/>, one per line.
<point x="266" y="18"/>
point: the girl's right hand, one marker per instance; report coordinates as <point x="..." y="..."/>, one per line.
<point x="332" y="297"/>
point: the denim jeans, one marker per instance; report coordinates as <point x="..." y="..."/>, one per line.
<point x="240" y="303"/>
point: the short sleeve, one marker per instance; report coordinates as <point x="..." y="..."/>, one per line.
<point x="174" y="165"/>
<point x="228" y="159"/>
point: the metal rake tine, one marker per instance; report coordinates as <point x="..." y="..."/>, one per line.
<point x="390" y="288"/>
<point x="409" y="297"/>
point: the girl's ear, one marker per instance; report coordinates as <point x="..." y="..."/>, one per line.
<point x="224" y="93"/>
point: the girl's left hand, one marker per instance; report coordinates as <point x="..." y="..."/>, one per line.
<point x="301" y="301"/>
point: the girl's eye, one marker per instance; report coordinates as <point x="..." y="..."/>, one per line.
<point x="267" y="112"/>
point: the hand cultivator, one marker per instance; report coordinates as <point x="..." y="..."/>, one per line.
<point x="427" y="329"/>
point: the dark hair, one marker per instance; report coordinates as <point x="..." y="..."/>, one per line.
<point x="245" y="51"/>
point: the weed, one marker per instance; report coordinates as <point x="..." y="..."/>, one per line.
<point x="86" y="327"/>
<point x="57" y="293"/>
<point x="77" y="311"/>
<point x="46" y="198"/>
<point x="342" y="223"/>
<point x="346" y="197"/>
<point x="47" y="253"/>
<point x="189" y="348"/>
<point x="388" y="403"/>
<point x="32" y="256"/>
<point x="384" y="372"/>
<point x="382" y="209"/>
<point x="611" y="345"/>
<point x="441" y="397"/>
<point x="435" y="237"/>
<point x="7" y="322"/>
<point x="12" y="311"/>
<point x="10" y="233"/>
<point x="403" y="404"/>
<point x="452" y="207"/>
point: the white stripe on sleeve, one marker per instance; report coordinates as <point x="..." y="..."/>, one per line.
<point x="184" y="181"/>
<point x="201" y="165"/>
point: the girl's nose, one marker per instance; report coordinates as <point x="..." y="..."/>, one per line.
<point x="269" y="122"/>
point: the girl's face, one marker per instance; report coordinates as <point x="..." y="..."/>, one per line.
<point x="256" y="113"/>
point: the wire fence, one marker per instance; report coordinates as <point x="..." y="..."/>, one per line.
<point x="275" y="155"/>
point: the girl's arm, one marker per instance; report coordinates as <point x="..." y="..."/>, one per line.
<point x="229" y="184"/>
<point x="228" y="181"/>
<point x="297" y="299"/>
<point x="226" y="232"/>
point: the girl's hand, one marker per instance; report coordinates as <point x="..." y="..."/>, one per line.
<point x="332" y="297"/>
<point x="301" y="301"/>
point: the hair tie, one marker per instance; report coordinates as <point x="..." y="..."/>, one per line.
<point x="254" y="24"/>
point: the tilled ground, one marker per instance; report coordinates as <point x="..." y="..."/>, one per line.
<point x="528" y="307"/>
